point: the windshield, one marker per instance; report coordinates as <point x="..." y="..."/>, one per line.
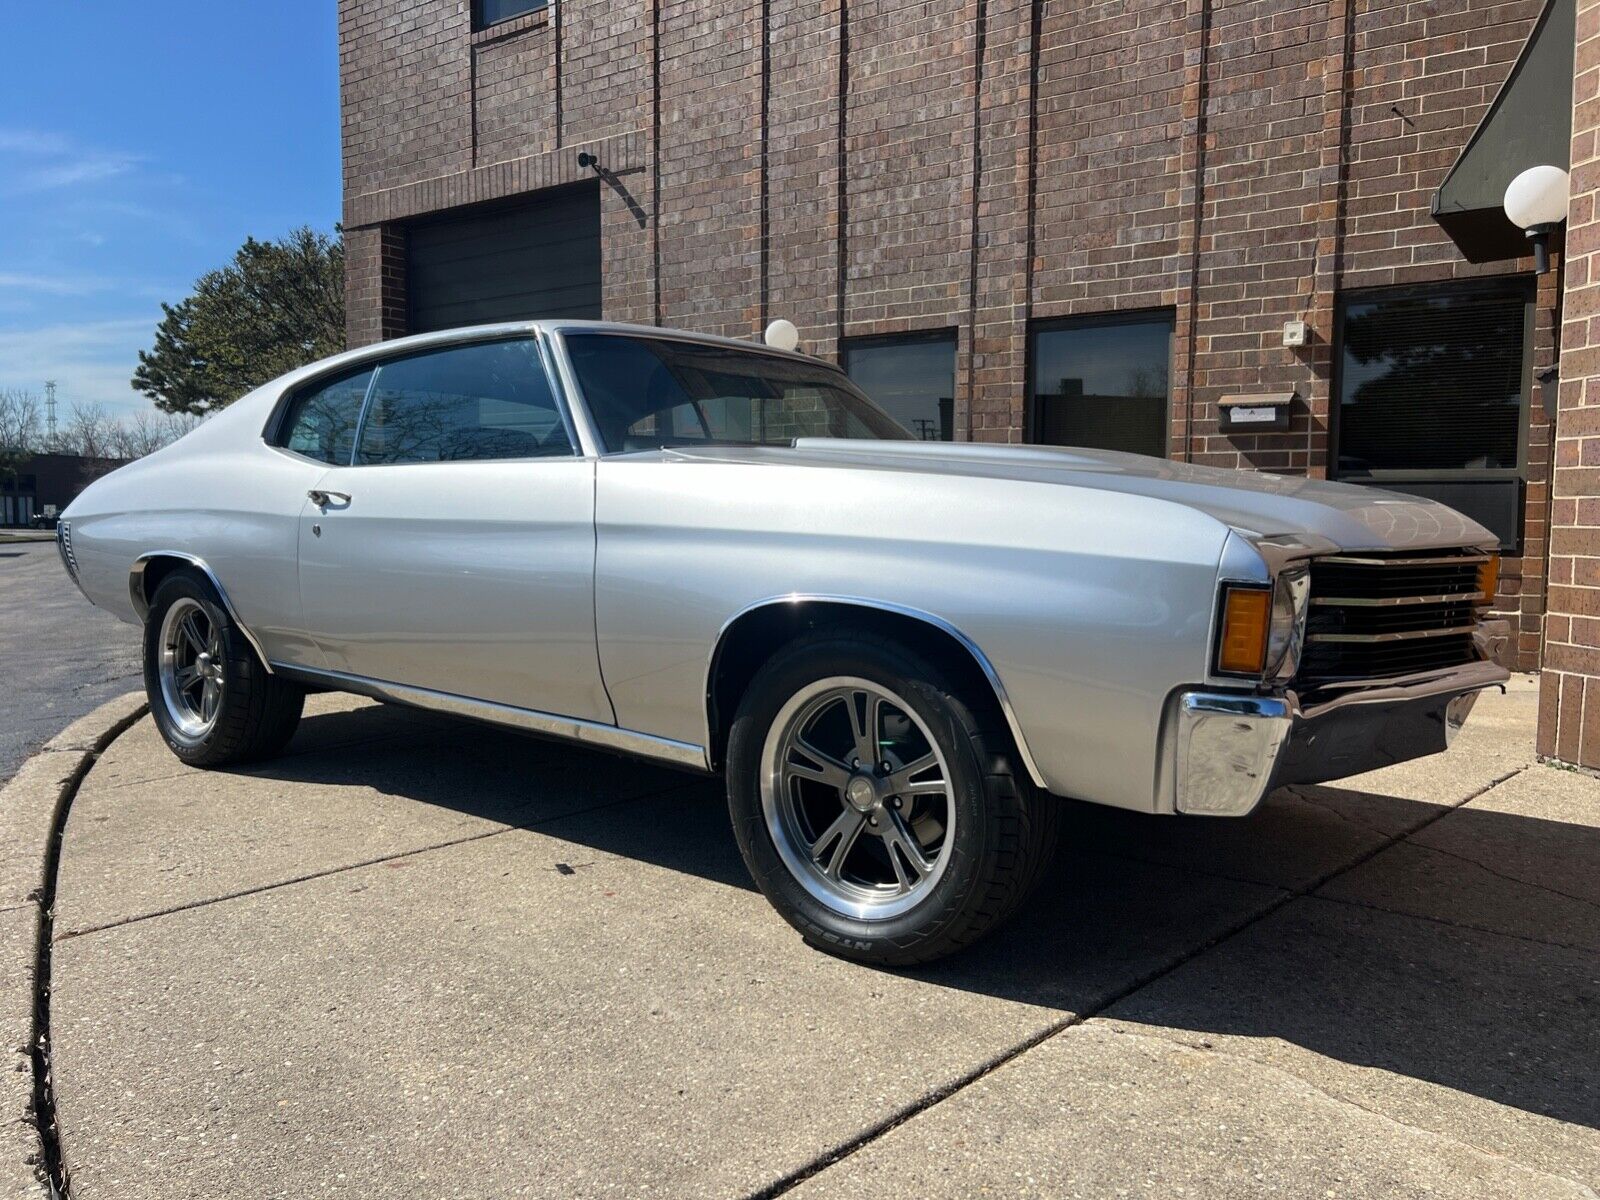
<point x="645" y="393"/>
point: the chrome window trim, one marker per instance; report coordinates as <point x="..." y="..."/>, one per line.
<point x="141" y="606"/>
<point x="902" y="610"/>
<point x="572" y="729"/>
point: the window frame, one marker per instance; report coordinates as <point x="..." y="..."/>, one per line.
<point x="1501" y="284"/>
<point x="1167" y="315"/>
<point x="479" y="24"/>
<point x="874" y="341"/>
<point x="274" y="432"/>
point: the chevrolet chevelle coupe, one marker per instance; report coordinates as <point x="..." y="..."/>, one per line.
<point x="899" y="654"/>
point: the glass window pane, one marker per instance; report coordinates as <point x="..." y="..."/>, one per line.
<point x="321" y="422"/>
<point x="1103" y="385"/>
<point x="1431" y="382"/>
<point x="912" y="379"/>
<point x="645" y="393"/>
<point x="492" y="12"/>
<point x="485" y="401"/>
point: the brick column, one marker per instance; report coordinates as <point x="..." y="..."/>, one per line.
<point x="374" y="284"/>
<point x="1569" y="691"/>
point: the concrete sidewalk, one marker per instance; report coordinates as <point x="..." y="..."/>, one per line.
<point x="421" y="958"/>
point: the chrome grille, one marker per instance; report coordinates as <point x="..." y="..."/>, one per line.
<point x="1378" y="616"/>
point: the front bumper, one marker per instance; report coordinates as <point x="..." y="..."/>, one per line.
<point x="1233" y="748"/>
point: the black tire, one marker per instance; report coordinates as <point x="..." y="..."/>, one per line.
<point x="257" y="713"/>
<point x="1005" y="827"/>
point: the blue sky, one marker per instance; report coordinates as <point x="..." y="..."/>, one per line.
<point x="139" y="145"/>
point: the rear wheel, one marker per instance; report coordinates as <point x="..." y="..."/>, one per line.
<point x="876" y="808"/>
<point x="210" y="696"/>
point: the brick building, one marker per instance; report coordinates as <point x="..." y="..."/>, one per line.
<point x="1085" y="222"/>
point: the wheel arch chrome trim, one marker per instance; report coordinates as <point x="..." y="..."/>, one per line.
<point x="933" y="620"/>
<point x="141" y="602"/>
<point x="571" y="729"/>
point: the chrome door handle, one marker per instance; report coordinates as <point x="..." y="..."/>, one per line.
<point x="321" y="498"/>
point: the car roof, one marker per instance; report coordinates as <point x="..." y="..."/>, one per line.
<point x="478" y="333"/>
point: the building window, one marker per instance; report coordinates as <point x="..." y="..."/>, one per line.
<point x="1433" y="388"/>
<point x="1102" y="382"/>
<point x="491" y="12"/>
<point x="911" y="377"/>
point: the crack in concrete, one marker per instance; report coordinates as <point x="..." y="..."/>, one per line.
<point x="1509" y="878"/>
<point x="1101" y="1024"/>
<point x="208" y="901"/>
<point x="1466" y="925"/>
<point x="793" y="1179"/>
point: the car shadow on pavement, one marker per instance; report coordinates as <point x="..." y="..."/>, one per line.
<point x="1466" y="955"/>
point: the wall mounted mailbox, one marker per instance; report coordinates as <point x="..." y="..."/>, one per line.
<point x="1264" y="412"/>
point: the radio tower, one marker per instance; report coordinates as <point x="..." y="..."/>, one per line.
<point x="50" y="412"/>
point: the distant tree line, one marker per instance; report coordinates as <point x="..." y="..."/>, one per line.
<point x="89" y="429"/>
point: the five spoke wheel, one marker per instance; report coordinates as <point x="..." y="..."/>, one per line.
<point x="191" y="668"/>
<point x="856" y="794"/>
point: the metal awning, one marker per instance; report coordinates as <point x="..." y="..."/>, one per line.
<point x="1529" y="124"/>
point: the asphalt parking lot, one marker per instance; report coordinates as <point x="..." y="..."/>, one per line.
<point x="59" y="655"/>
<point x="416" y="957"/>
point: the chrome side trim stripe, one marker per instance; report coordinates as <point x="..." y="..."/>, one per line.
<point x="572" y="729"/>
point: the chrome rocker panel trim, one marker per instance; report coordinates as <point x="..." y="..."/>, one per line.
<point x="142" y="607"/>
<point x="1233" y="748"/>
<point x="571" y="729"/>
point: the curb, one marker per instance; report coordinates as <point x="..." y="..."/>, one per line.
<point x="31" y="805"/>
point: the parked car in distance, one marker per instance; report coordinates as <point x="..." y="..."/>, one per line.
<point x="705" y="552"/>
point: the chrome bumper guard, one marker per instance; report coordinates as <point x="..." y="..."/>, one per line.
<point x="1234" y="748"/>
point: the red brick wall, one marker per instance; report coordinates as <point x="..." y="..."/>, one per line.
<point x="972" y="165"/>
<point x="1569" y="691"/>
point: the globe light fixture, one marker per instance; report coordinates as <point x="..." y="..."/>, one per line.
<point x="1536" y="202"/>
<point x="782" y="335"/>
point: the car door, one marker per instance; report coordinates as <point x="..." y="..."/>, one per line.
<point x="455" y="552"/>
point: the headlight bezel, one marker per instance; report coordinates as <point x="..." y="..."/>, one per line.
<point x="1262" y="646"/>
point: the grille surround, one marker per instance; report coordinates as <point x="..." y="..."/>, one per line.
<point x="1384" y="615"/>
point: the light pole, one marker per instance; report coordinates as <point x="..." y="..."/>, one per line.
<point x="1536" y="202"/>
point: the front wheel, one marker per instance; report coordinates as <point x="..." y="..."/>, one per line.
<point x="210" y="696"/>
<point x="876" y="808"/>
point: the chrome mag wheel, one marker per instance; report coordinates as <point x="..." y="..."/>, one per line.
<point x="856" y="794"/>
<point x="190" y="666"/>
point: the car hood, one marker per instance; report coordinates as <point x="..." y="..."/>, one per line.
<point x="1253" y="502"/>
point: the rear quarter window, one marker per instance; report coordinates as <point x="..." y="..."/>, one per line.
<point x="320" y="420"/>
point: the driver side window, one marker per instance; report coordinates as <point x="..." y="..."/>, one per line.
<point x="487" y="400"/>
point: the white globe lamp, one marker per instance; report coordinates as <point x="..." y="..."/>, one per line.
<point x="1536" y="202"/>
<point x="782" y="335"/>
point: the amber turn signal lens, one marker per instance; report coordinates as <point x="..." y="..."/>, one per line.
<point x="1246" y="616"/>
<point x="1488" y="578"/>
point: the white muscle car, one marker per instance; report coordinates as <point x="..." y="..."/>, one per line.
<point x="725" y="557"/>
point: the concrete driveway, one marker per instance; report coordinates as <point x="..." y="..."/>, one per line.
<point x="421" y="958"/>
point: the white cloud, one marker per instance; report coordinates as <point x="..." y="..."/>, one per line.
<point x="52" y="285"/>
<point x="90" y="361"/>
<point x="32" y="141"/>
<point x="53" y="161"/>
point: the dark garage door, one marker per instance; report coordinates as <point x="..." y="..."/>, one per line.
<point x="539" y="259"/>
